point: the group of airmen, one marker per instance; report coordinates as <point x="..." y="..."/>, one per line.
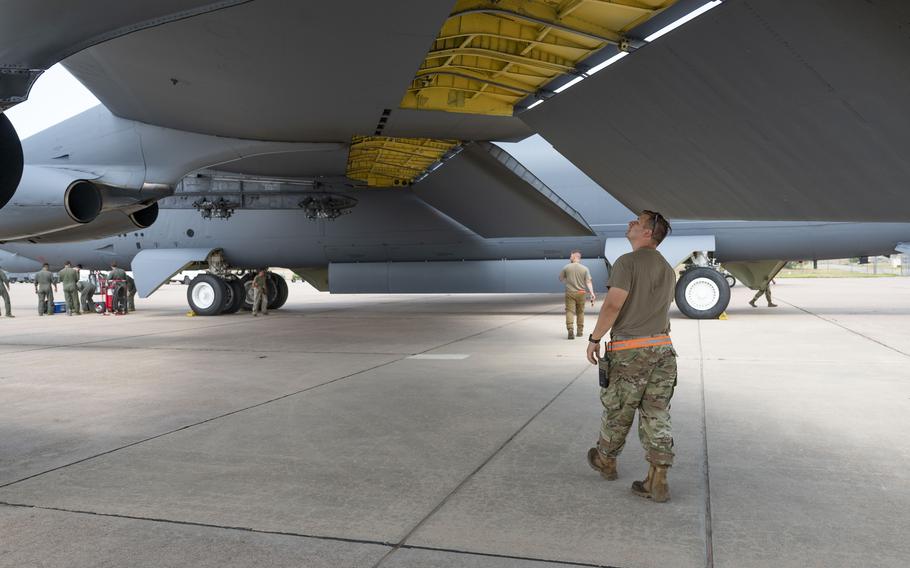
<point x="77" y="293"/>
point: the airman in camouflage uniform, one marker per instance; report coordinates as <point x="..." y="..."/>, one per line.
<point x="4" y="291"/>
<point x="638" y="371"/>
<point x="261" y="293"/>
<point x="69" y="277"/>
<point x="44" y="279"/>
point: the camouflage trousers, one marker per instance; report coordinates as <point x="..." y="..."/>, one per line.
<point x="643" y="380"/>
<point x="575" y="306"/>
<point x="765" y="291"/>
<point x="5" y="296"/>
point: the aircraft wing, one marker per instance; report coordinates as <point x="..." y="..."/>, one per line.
<point x="490" y="192"/>
<point x="756" y="110"/>
<point x="39" y="33"/>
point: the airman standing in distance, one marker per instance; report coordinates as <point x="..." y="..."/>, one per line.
<point x="4" y="291"/>
<point x="86" y="290"/>
<point x="120" y="290"/>
<point x="261" y="293"/>
<point x="44" y="279"/>
<point x="69" y="277"/>
<point x="638" y="371"/>
<point x="577" y="279"/>
<point x="131" y="290"/>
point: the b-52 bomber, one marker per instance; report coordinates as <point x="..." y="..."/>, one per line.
<point x="410" y="241"/>
<point x="292" y="110"/>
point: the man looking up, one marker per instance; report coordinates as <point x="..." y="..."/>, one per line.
<point x="577" y="279"/>
<point x="639" y="362"/>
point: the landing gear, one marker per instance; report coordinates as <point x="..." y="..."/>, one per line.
<point x="731" y="280"/>
<point x="211" y="295"/>
<point x="702" y="293"/>
<point x="206" y="295"/>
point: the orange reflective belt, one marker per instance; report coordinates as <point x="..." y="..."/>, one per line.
<point x="638" y="343"/>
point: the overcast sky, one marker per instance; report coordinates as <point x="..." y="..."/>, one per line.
<point x="56" y="96"/>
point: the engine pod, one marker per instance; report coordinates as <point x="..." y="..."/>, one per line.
<point x="11" y="160"/>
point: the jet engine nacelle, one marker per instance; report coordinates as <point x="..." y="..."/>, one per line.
<point x="11" y="162"/>
<point x="49" y="200"/>
<point x="108" y="223"/>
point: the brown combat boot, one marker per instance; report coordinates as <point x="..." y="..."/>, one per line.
<point x="654" y="486"/>
<point x="606" y="466"/>
<point x="580" y="332"/>
<point x="571" y="335"/>
<point x="643" y="487"/>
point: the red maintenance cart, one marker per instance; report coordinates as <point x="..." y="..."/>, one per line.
<point x="113" y="295"/>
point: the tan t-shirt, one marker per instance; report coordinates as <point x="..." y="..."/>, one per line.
<point x="649" y="280"/>
<point x="576" y="276"/>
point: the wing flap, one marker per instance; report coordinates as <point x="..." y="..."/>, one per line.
<point x="488" y="191"/>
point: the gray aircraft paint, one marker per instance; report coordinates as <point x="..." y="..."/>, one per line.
<point x="396" y="226"/>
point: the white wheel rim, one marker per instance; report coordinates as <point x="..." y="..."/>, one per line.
<point x="248" y="287"/>
<point x="203" y="295"/>
<point x="702" y="294"/>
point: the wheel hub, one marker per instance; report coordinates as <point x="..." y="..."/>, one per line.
<point x="702" y="294"/>
<point x="203" y="295"/>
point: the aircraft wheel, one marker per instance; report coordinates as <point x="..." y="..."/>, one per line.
<point x="206" y="295"/>
<point x="731" y="280"/>
<point x="702" y="293"/>
<point x="246" y="302"/>
<point x="281" y="291"/>
<point x="234" y="296"/>
<point x="100" y="307"/>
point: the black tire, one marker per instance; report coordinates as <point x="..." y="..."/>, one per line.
<point x="206" y="295"/>
<point x="281" y="291"/>
<point x="731" y="280"/>
<point x="99" y="307"/>
<point x="246" y="302"/>
<point x="702" y="293"/>
<point x="234" y="296"/>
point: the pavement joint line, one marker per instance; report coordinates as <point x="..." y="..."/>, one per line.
<point x="709" y="529"/>
<point x="506" y="556"/>
<point x="348" y="540"/>
<point x="483" y="464"/>
<point x="199" y="423"/>
<point x="219" y="350"/>
<point x="195" y="524"/>
<point x="257" y="405"/>
<point x="844" y="327"/>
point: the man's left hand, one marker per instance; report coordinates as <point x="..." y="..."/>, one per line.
<point x="593" y="352"/>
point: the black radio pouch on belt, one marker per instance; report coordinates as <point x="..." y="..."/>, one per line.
<point x="603" y="368"/>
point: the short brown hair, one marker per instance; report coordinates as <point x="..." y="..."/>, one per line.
<point x="660" y="227"/>
<point x="576" y="251"/>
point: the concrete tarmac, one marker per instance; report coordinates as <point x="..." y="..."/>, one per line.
<point x="443" y="431"/>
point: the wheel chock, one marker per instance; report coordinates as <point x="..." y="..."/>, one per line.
<point x="723" y="316"/>
<point x="191" y="314"/>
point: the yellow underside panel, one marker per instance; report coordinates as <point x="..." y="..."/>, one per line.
<point x="381" y="161"/>
<point x="491" y="54"/>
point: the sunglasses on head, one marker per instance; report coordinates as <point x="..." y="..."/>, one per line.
<point x="654" y="215"/>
